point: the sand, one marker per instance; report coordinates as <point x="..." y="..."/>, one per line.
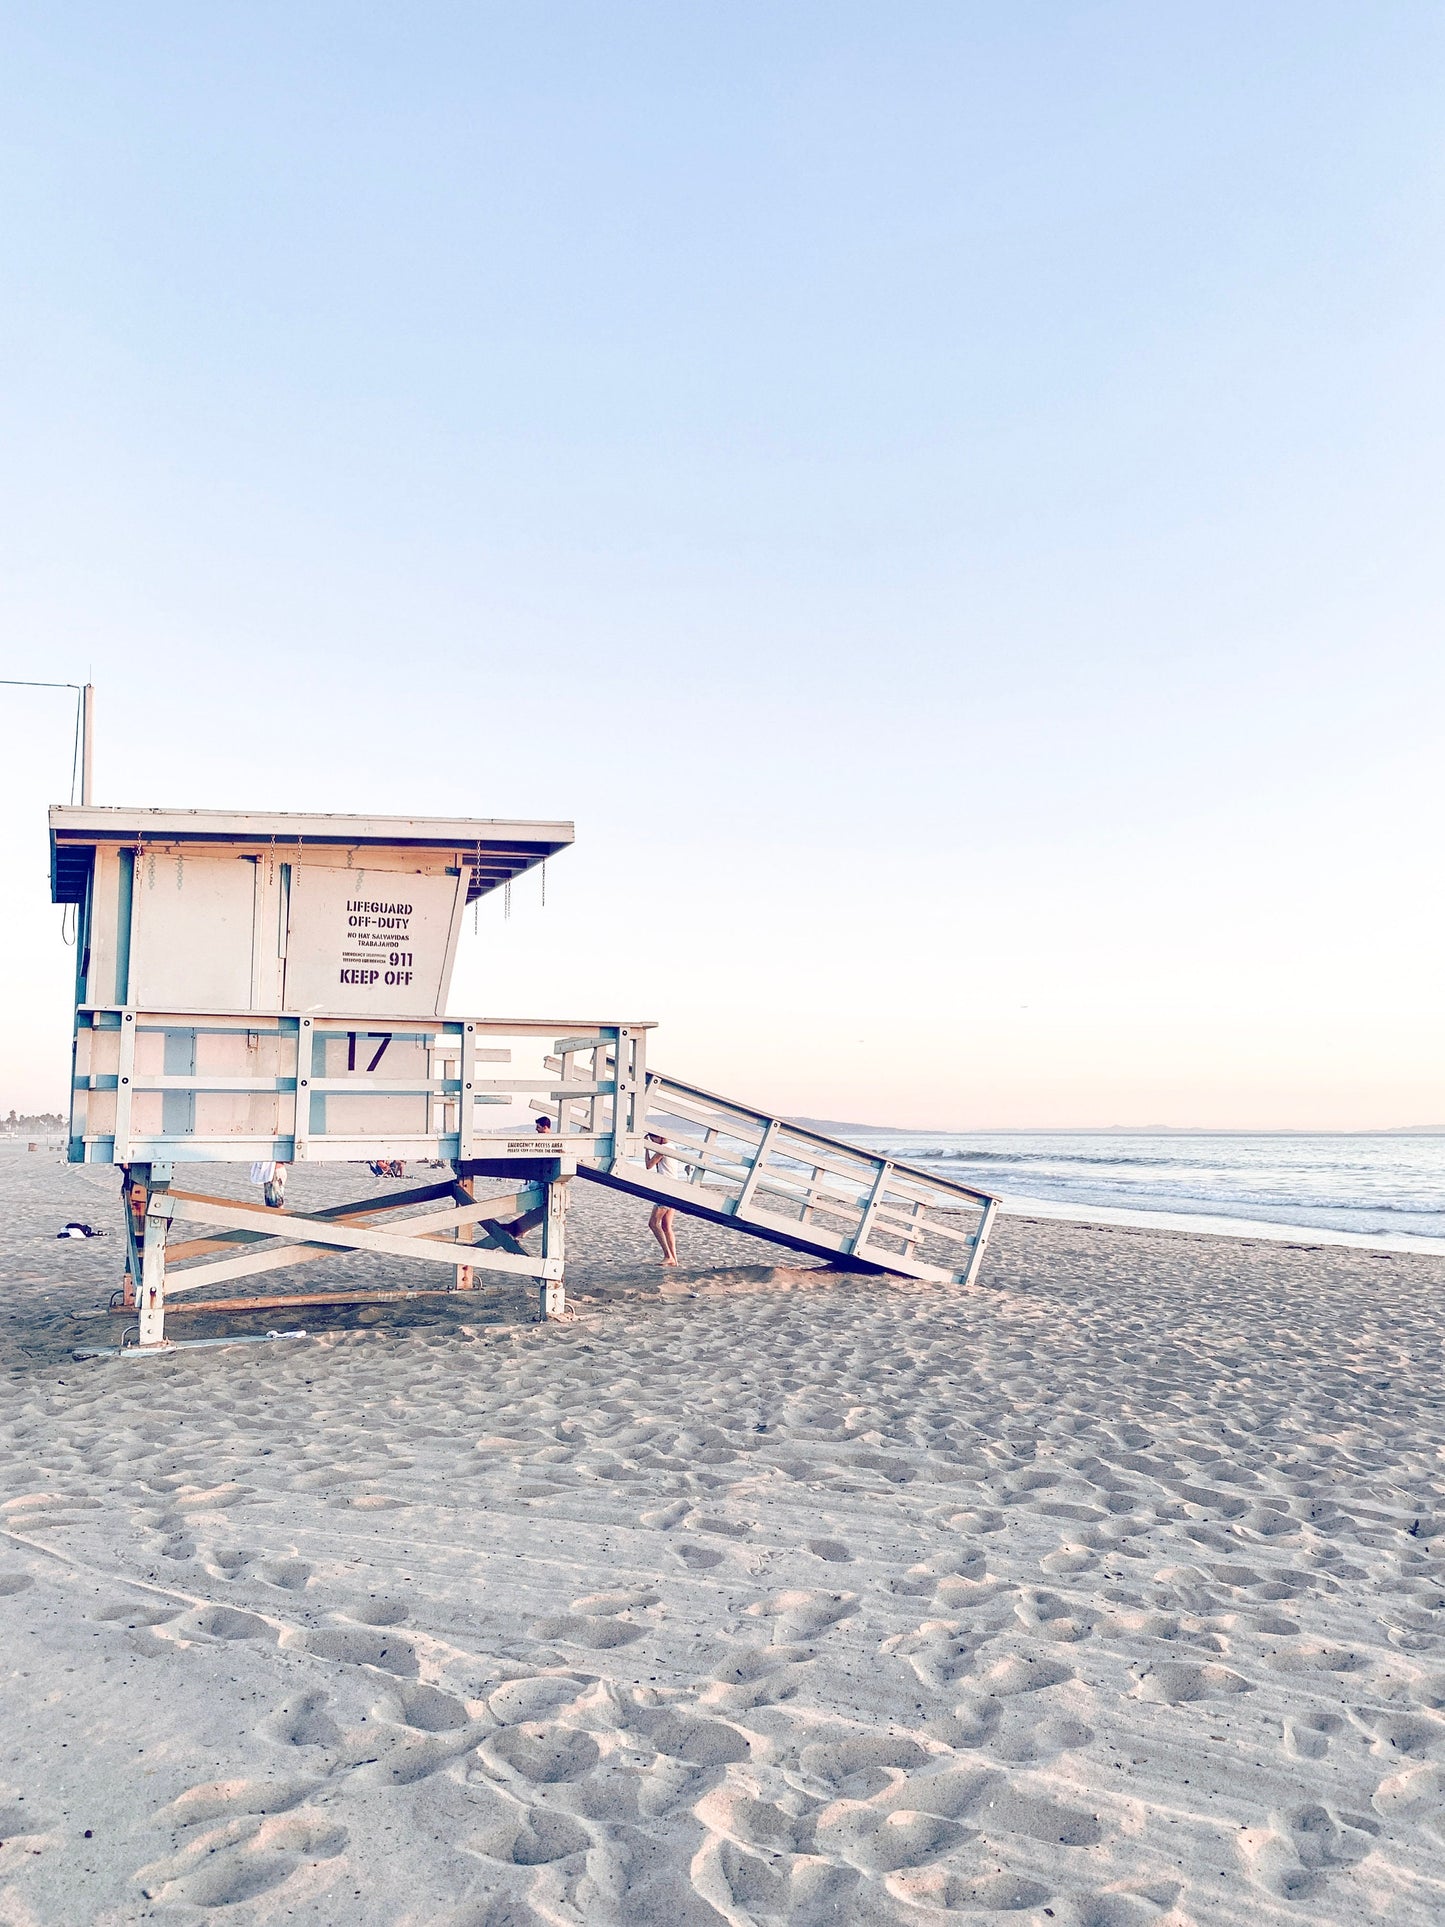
<point x="1108" y="1592"/>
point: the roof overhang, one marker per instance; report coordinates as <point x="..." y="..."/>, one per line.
<point x="491" y="849"/>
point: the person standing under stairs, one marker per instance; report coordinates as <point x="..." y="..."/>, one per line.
<point x="660" y="1223"/>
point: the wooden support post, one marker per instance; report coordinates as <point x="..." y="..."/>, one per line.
<point x="466" y="1234"/>
<point x="552" y="1292"/>
<point x="985" y="1225"/>
<point x="133" y="1201"/>
<point x="87" y="745"/>
<point x="153" y="1270"/>
<point x="755" y="1176"/>
<point x="870" y="1210"/>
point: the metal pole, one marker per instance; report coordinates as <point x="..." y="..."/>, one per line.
<point x="87" y="742"/>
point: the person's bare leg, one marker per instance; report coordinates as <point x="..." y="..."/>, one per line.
<point x="657" y="1225"/>
<point x="670" y="1247"/>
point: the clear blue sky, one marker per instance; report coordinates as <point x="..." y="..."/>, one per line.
<point x="948" y="496"/>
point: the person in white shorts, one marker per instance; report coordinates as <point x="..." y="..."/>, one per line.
<point x="660" y="1223"/>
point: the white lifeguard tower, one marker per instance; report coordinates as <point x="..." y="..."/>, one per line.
<point x="255" y="987"/>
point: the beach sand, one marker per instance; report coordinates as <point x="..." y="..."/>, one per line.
<point x="1108" y="1592"/>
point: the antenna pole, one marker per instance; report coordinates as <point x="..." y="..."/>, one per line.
<point x="87" y="741"/>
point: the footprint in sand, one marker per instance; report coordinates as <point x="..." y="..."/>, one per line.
<point x="699" y="1742"/>
<point x="19" y="1822"/>
<point x="663" y="1518"/>
<point x="860" y="1766"/>
<point x="881" y="1842"/>
<point x="601" y="1605"/>
<point x="1315" y="1656"/>
<point x="938" y="1651"/>
<point x="542" y="1755"/>
<point x="534" y="1698"/>
<point x="229" y="1562"/>
<point x="972" y="1723"/>
<point x="303" y="1721"/>
<point x="963" y="1893"/>
<point x="754" y="1678"/>
<point x="1028" y="1735"/>
<point x="1049" y="1615"/>
<point x="291" y="1575"/>
<point x="833" y="1550"/>
<point x="535" y="1837"/>
<point x="1418" y="1790"/>
<point x="130" y="1615"/>
<point x="390" y="1652"/>
<point x="724" y="1528"/>
<point x="1308" y="1736"/>
<point x="427" y="1709"/>
<point x="1069" y="1559"/>
<point x="799" y="1614"/>
<point x="376" y="1609"/>
<point x="1023" y="1673"/>
<point x="229" y="1799"/>
<point x="698" y="1558"/>
<point x="918" y="1582"/>
<point x="579" y="1629"/>
<point x="226" y="1622"/>
<point x="1400" y="1735"/>
<point x="1175" y="1683"/>
<point x="219" y="1873"/>
<point x="736" y="1884"/>
<point x="1119" y="1907"/>
<point x="1294" y="1855"/>
<point x="752" y="1822"/>
<point x="13" y="1582"/>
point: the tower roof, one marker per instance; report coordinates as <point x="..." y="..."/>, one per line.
<point x="492" y="849"/>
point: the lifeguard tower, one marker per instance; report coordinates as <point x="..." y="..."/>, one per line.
<point x="273" y="989"/>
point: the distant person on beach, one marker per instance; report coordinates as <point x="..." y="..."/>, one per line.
<point x="660" y="1223"/>
<point x="529" y="1220"/>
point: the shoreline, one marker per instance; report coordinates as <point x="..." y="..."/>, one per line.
<point x="1200" y="1225"/>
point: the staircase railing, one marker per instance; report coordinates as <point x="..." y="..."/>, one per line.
<point x="729" y="1162"/>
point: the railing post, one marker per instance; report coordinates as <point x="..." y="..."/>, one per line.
<point x="152" y="1295"/>
<point x="870" y="1210"/>
<point x="466" y="1234"/>
<point x="985" y="1225"/>
<point x="466" y="1101"/>
<point x="630" y="1082"/>
<point x="305" y="1070"/>
<point x="124" y="1087"/>
<point x="754" y="1177"/>
<point x="552" y="1292"/>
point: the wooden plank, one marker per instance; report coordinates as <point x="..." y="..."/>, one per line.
<point x="665" y="1093"/>
<point x="980" y="1242"/>
<point x="206" y="1084"/>
<point x="339" y="1213"/>
<point x="286" y="1301"/>
<point x="467" y="1114"/>
<point x="870" y="1210"/>
<point x="312" y="1231"/>
<point x="125" y="1074"/>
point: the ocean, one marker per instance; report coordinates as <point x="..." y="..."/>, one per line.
<point x="1374" y="1188"/>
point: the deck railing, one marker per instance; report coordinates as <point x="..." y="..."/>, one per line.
<point x="732" y="1163"/>
<point x="187" y="1086"/>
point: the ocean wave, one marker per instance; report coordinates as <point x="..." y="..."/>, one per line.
<point x="944" y="1156"/>
<point x="1370" y="1184"/>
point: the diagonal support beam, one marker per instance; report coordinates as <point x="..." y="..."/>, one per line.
<point x="403" y="1241"/>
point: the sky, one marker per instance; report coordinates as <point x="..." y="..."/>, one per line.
<point x="948" y="498"/>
